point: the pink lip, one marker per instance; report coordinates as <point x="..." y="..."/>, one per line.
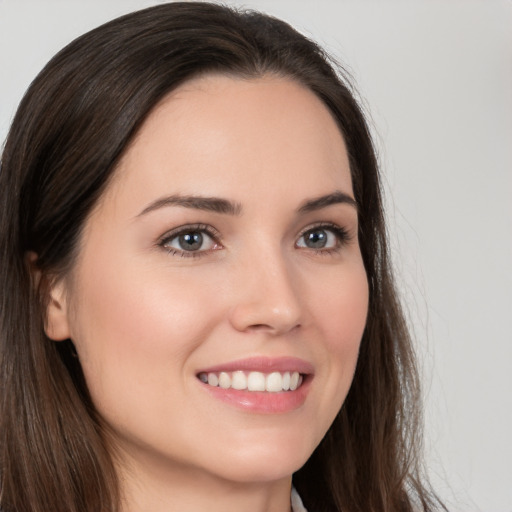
<point x="263" y="364"/>
<point x="261" y="401"/>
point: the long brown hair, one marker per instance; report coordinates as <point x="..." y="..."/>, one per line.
<point x="71" y="129"/>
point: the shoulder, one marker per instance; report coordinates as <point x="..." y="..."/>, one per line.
<point x="297" y="505"/>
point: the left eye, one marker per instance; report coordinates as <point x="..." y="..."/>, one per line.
<point x="190" y="241"/>
<point x="319" y="238"/>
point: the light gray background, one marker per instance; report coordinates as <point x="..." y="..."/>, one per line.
<point x="437" y="80"/>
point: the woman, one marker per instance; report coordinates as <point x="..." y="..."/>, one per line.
<point x="197" y="305"/>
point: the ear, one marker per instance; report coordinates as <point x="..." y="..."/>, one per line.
<point x="56" y="322"/>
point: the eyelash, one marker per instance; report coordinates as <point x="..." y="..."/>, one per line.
<point x="183" y="230"/>
<point x="341" y="234"/>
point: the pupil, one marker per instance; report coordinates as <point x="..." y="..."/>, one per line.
<point x="191" y="241"/>
<point x="316" y="239"/>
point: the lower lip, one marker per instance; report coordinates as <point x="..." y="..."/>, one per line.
<point x="262" y="401"/>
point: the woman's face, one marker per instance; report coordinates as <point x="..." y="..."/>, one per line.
<point x="224" y="254"/>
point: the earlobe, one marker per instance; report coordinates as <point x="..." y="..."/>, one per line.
<point x="56" y="322"/>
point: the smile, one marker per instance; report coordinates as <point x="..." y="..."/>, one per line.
<point x="273" y="382"/>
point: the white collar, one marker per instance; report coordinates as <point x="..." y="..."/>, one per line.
<point x="297" y="505"/>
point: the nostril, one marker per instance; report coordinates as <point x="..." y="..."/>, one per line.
<point x="270" y="327"/>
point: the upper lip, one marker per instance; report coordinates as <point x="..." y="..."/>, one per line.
<point x="264" y="365"/>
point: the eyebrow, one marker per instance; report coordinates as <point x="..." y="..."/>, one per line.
<point x="318" y="203"/>
<point x="211" y="204"/>
<point x="224" y="206"/>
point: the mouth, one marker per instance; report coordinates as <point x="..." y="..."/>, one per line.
<point x="260" y="384"/>
<point x="274" y="382"/>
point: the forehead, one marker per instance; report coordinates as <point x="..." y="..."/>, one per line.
<point x="251" y="136"/>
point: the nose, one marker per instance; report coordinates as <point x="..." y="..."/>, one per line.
<point x="267" y="296"/>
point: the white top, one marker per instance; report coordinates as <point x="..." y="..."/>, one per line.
<point x="297" y="505"/>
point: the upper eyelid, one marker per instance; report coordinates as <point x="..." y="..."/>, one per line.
<point x="319" y="224"/>
<point x="326" y="225"/>
<point x="172" y="233"/>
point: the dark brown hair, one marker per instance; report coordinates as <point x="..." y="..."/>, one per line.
<point x="72" y="126"/>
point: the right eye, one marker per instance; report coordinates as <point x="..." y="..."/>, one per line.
<point x="190" y="241"/>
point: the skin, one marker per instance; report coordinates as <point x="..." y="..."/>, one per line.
<point x="145" y="318"/>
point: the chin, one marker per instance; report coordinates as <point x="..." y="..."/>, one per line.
<point x="260" y="472"/>
<point x="264" y="462"/>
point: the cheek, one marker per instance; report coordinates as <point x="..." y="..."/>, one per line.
<point x="343" y="309"/>
<point x="136" y="329"/>
<point x="130" y="306"/>
<point x="341" y="316"/>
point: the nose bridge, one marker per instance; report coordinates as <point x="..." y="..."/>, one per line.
<point x="268" y="295"/>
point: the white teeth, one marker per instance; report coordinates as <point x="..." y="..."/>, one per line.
<point x="224" y="380"/>
<point x="213" y="380"/>
<point x="254" y="381"/>
<point x="274" y="382"/>
<point x="286" y="381"/>
<point x="239" y="380"/>
<point x="294" y="381"/>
